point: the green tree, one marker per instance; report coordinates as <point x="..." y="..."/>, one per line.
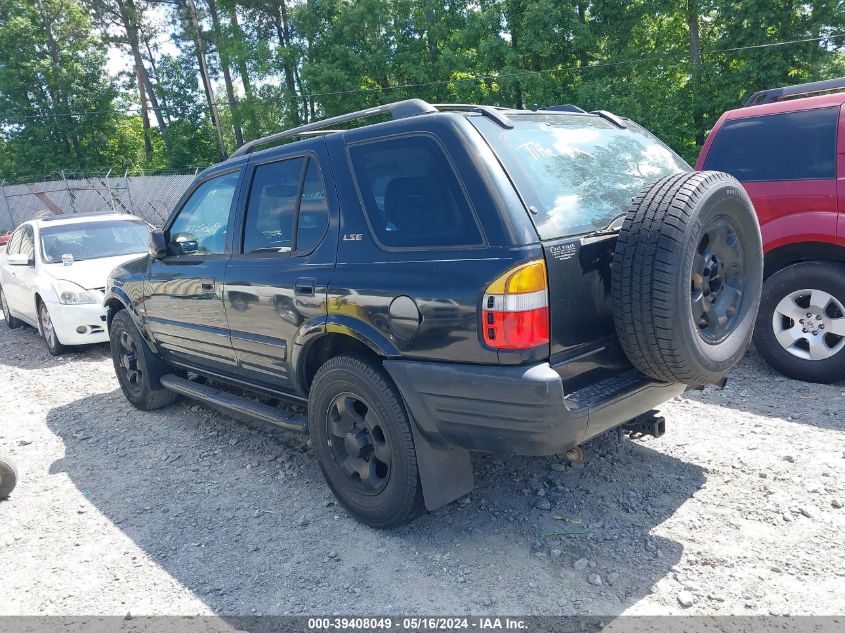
<point x="55" y="99"/>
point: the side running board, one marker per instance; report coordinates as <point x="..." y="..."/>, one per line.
<point x="233" y="403"/>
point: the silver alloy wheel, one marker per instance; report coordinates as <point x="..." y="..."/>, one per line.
<point x="6" y="314"/>
<point x="810" y="324"/>
<point x="47" y="329"/>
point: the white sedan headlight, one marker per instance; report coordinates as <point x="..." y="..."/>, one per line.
<point x="71" y="294"/>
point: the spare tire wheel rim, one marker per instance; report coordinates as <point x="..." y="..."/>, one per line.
<point x="358" y="443"/>
<point x="810" y="324"/>
<point x="718" y="280"/>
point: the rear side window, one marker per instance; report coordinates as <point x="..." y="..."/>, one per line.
<point x="271" y="210"/>
<point x="788" y="146"/>
<point x="411" y="194"/>
<point x="287" y="209"/>
<point x="313" y="211"/>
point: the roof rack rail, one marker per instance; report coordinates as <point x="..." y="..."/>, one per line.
<point x="398" y="110"/>
<point x="495" y="113"/>
<point x="776" y="94"/>
<point x="609" y="116"/>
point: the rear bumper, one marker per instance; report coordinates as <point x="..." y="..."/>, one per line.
<point x="520" y="410"/>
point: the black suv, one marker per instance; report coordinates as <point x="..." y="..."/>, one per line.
<point x="456" y="278"/>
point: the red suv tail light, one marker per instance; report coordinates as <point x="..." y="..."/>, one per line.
<point x="515" y="309"/>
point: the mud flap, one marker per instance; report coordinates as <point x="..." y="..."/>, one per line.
<point x="445" y="472"/>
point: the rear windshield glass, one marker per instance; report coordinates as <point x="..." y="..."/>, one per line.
<point x="93" y="240"/>
<point x="577" y="173"/>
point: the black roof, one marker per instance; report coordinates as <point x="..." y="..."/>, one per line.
<point x="408" y="108"/>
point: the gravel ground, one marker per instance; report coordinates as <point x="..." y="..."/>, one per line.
<point x="736" y="510"/>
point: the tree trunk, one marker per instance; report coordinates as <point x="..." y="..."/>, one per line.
<point x="145" y="117"/>
<point x="159" y="110"/>
<point x="242" y="68"/>
<point x="583" y="55"/>
<point x="290" y="82"/>
<point x="227" y="74"/>
<point x="60" y="104"/>
<point x="129" y="17"/>
<point x="296" y="78"/>
<point x="165" y="114"/>
<point x="249" y="95"/>
<point x="196" y="34"/>
<point x="695" y="59"/>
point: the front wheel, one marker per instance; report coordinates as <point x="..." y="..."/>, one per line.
<point x="800" y="330"/>
<point x="133" y="363"/>
<point x="364" y="444"/>
<point x="48" y="331"/>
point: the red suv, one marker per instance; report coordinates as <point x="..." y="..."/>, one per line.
<point x="790" y="157"/>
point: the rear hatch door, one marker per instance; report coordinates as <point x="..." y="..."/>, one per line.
<point x="577" y="174"/>
<point x="583" y="343"/>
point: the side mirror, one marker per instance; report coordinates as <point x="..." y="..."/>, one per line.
<point x="157" y="244"/>
<point x="19" y="259"/>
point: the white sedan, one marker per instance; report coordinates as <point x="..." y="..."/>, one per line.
<point x="54" y="270"/>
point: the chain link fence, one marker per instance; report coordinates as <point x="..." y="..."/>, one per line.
<point x="149" y="197"/>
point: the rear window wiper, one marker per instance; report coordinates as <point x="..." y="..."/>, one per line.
<point x="614" y="226"/>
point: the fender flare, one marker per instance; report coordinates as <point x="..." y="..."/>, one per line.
<point x="317" y="328"/>
<point x="117" y="296"/>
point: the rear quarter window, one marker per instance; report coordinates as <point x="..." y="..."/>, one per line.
<point x="411" y="194"/>
<point x="787" y="146"/>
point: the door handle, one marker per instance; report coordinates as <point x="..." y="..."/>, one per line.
<point x="305" y="286"/>
<point x="208" y="287"/>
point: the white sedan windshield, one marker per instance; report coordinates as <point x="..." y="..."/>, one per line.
<point x="93" y="240"/>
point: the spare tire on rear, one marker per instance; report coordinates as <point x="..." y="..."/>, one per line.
<point x="686" y="277"/>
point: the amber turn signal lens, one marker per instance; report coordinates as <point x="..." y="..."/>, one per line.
<point x="529" y="277"/>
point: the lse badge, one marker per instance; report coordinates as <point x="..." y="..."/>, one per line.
<point x="353" y="237"/>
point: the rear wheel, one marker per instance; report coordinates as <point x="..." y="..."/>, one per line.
<point x="686" y="278"/>
<point x="11" y="322"/>
<point x="48" y="331"/>
<point x="8" y="478"/>
<point x="364" y="444"/>
<point x="134" y="365"/>
<point x="800" y="330"/>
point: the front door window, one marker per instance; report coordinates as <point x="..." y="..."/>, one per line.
<point x="201" y="226"/>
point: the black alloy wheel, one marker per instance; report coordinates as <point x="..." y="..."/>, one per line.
<point x="718" y="280"/>
<point x="358" y="443"/>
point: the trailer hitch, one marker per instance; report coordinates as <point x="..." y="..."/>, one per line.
<point x="649" y="423"/>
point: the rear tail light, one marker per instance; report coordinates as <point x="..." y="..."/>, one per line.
<point x="515" y="310"/>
